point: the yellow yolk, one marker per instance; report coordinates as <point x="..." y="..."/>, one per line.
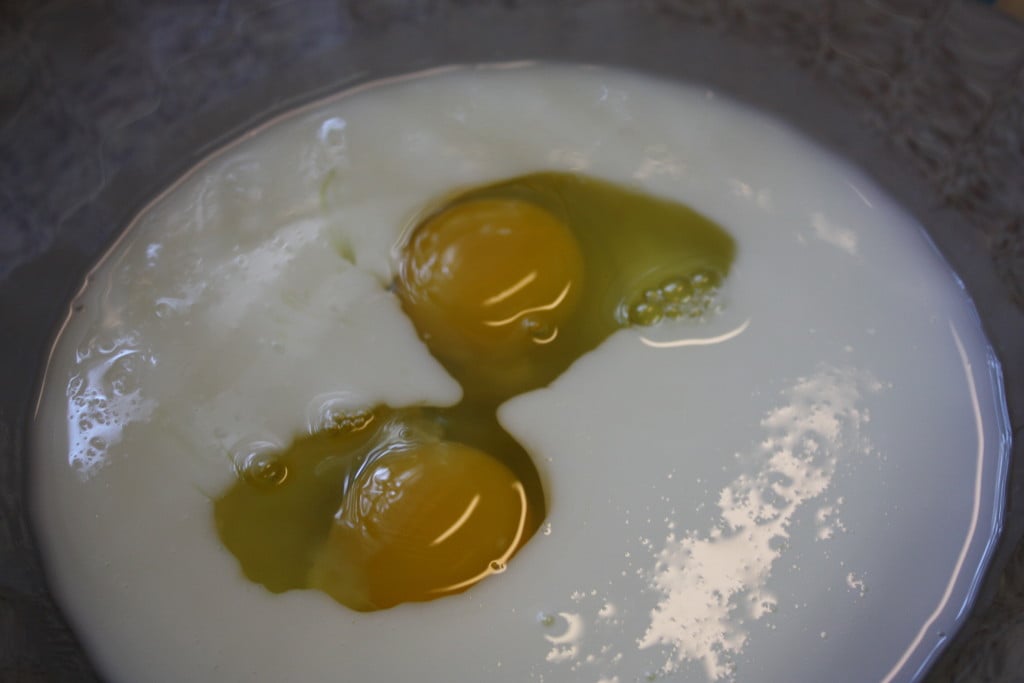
<point x="490" y="276"/>
<point x="422" y="522"/>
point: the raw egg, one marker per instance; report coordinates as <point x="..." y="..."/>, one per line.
<point x="510" y="282"/>
<point x="492" y="281"/>
<point x="384" y="508"/>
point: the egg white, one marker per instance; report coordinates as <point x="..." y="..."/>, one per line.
<point x="807" y="472"/>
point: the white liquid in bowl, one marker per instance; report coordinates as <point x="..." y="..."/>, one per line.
<point x="803" y="487"/>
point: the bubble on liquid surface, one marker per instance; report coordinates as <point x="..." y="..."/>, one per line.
<point x="103" y="398"/>
<point x="692" y="295"/>
<point x="340" y="411"/>
<point x="264" y="470"/>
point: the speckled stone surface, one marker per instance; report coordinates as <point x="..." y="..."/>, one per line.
<point x="103" y="102"/>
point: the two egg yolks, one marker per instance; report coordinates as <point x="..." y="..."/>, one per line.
<point x="506" y="285"/>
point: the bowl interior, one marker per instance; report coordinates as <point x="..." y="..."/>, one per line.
<point x="106" y="104"/>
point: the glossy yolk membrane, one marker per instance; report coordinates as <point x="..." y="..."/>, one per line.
<point x="492" y="277"/>
<point x="422" y="523"/>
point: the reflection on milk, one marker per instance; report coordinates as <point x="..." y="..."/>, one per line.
<point x="712" y="581"/>
<point x="103" y="398"/>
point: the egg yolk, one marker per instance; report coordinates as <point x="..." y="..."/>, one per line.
<point x="492" y="276"/>
<point x="419" y="523"/>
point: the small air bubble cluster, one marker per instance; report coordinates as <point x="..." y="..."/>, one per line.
<point x="351" y="421"/>
<point x="691" y="296"/>
<point x="338" y="413"/>
<point x="104" y="398"/>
